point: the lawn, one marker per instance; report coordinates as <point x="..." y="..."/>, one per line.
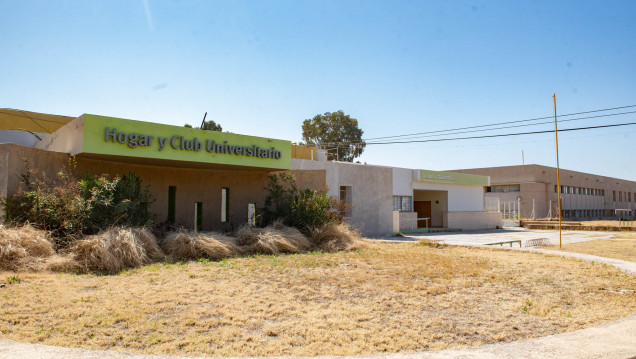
<point x="388" y="298"/>
<point x="618" y="249"/>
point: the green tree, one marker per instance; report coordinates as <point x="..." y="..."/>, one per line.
<point x="208" y="125"/>
<point x="336" y="132"/>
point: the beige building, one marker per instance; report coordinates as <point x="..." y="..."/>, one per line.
<point x="533" y="189"/>
<point x="209" y="180"/>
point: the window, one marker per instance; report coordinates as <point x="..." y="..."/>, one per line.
<point x="506" y="188"/>
<point x="614" y="196"/>
<point x="555" y="188"/>
<point x="346" y="196"/>
<point x="198" y="215"/>
<point x="402" y="203"/>
<point x="620" y="196"/>
<point x="172" y="199"/>
<point x="629" y="196"/>
<point x="225" y="201"/>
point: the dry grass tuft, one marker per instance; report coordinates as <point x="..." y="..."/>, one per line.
<point x="189" y="245"/>
<point x="333" y="237"/>
<point x="24" y="248"/>
<point x="114" y="249"/>
<point x="273" y="239"/>
<point x="428" y="243"/>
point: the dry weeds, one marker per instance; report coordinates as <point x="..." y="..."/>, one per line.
<point x="24" y="248"/>
<point x="387" y="298"/>
<point x="115" y="249"/>
<point x="189" y="245"/>
<point x="618" y="249"/>
<point x="337" y="237"/>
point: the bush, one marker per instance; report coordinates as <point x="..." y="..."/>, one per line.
<point x="303" y="210"/>
<point x="70" y="208"/>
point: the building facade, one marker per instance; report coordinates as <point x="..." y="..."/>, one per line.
<point x="532" y="191"/>
<point x="209" y="180"/>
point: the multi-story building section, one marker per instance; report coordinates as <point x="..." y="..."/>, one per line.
<point x="533" y="189"/>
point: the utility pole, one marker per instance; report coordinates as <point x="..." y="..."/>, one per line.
<point x="556" y="137"/>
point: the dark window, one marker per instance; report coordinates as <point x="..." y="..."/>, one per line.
<point x="172" y="200"/>
<point x="199" y="216"/>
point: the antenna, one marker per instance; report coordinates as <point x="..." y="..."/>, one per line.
<point x="203" y="122"/>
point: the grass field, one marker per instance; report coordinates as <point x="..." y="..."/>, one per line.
<point x="618" y="249"/>
<point x="389" y="298"/>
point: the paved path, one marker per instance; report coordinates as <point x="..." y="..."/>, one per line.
<point x="612" y="340"/>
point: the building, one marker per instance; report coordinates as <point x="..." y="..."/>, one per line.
<point x="208" y="180"/>
<point x="533" y="189"/>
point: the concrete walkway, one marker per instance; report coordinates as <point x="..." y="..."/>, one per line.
<point x="612" y="340"/>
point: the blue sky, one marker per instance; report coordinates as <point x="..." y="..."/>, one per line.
<point x="399" y="67"/>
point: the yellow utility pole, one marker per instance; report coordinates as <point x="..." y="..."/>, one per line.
<point x="556" y="136"/>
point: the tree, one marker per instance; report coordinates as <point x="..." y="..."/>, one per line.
<point x="208" y="125"/>
<point x="337" y="133"/>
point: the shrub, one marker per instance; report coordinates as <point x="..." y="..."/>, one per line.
<point x="304" y="209"/>
<point x="69" y="208"/>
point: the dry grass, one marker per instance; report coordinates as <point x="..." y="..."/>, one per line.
<point x="618" y="249"/>
<point x="115" y="249"/>
<point x="337" y="237"/>
<point x="387" y="298"/>
<point x="24" y="248"/>
<point x="606" y="223"/>
<point x="273" y="239"/>
<point x="119" y="248"/>
<point x="189" y="245"/>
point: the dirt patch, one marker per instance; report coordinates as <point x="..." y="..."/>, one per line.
<point x="387" y="298"/>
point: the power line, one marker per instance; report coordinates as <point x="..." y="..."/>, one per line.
<point x="532" y="124"/>
<point x="501" y="135"/>
<point x="450" y="132"/>
<point x="502" y="123"/>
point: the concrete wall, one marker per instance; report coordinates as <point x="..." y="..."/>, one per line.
<point x="68" y="139"/>
<point x="193" y="185"/>
<point x="372" y="196"/>
<point x="407" y="220"/>
<point x="402" y="180"/>
<point x="472" y="220"/>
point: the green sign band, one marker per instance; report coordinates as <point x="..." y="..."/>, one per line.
<point x="120" y="137"/>
<point x="453" y="178"/>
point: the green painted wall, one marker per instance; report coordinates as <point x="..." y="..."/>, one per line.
<point x="152" y="140"/>
<point x="452" y="178"/>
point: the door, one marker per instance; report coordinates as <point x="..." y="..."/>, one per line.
<point x="423" y="209"/>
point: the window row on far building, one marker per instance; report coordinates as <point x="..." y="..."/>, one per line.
<point x="580" y="190"/>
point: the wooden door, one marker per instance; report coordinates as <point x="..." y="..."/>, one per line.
<point x="423" y="209"/>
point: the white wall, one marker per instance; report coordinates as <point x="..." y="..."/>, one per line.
<point x="461" y="198"/>
<point x="402" y="181"/>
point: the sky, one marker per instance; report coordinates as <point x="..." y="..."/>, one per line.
<point x="399" y="67"/>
